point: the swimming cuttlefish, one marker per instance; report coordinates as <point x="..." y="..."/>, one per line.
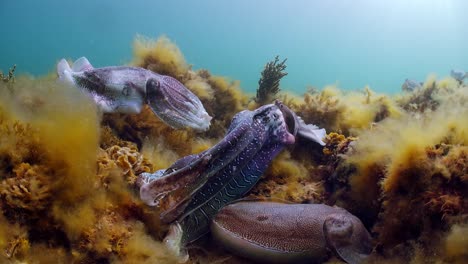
<point x="273" y="232"/>
<point x="191" y="192"/>
<point x="411" y="85"/>
<point x="459" y="75"/>
<point x="125" y="89"/>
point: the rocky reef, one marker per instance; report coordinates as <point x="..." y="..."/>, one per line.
<point x="67" y="172"/>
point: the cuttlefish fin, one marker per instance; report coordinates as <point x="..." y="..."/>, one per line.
<point x="81" y="64"/>
<point x="64" y="72"/>
<point x="350" y="255"/>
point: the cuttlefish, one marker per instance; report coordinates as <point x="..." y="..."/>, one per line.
<point x="411" y="85"/>
<point x="190" y="192"/>
<point x="125" y="89"/>
<point x="458" y="75"/>
<point x="273" y="232"/>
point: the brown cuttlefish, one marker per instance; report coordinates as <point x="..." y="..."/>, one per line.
<point x="273" y="232"/>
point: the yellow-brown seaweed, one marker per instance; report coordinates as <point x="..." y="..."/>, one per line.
<point x="67" y="173"/>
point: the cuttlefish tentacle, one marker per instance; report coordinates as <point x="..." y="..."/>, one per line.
<point x="171" y="101"/>
<point x="154" y="190"/>
<point x="126" y="89"/>
<point x="290" y="233"/>
<point x="177" y="184"/>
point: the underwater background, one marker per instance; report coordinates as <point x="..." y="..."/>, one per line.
<point x="397" y="160"/>
<point x="352" y="43"/>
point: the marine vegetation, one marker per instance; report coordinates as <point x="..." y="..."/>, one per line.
<point x="346" y="112"/>
<point x="68" y="172"/>
<point x="406" y="178"/>
<point x="11" y="75"/>
<point x="268" y="85"/>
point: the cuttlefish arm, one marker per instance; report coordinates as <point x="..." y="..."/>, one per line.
<point x="290" y="233"/>
<point x="172" y="190"/>
<point x="171" y="101"/>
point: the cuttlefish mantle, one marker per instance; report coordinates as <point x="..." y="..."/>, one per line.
<point x="122" y="89"/>
<point x="273" y="232"/>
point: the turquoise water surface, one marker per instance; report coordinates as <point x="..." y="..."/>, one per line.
<point x="352" y="43"/>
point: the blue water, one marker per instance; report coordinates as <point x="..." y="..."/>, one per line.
<point x="352" y="43"/>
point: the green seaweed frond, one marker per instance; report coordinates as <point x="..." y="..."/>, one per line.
<point x="268" y="85"/>
<point x="11" y="75"/>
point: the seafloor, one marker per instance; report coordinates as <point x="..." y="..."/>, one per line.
<point x="67" y="173"/>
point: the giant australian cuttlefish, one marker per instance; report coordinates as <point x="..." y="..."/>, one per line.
<point x="125" y="89"/>
<point x="197" y="192"/>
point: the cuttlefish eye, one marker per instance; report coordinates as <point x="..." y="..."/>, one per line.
<point x="153" y="90"/>
<point x="263" y="116"/>
<point x="153" y="83"/>
<point x="338" y="227"/>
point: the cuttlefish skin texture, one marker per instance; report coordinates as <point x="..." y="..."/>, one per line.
<point x="126" y="89"/>
<point x="192" y="191"/>
<point x="273" y="232"/>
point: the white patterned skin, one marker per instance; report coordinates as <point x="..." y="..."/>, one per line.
<point x="124" y="89"/>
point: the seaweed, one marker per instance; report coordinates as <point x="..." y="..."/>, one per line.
<point x="67" y="178"/>
<point x="430" y="96"/>
<point x="56" y="184"/>
<point x="406" y="183"/>
<point x="161" y="56"/>
<point x="289" y="179"/>
<point x="345" y="112"/>
<point x="456" y="244"/>
<point x="268" y="85"/>
<point x="11" y="75"/>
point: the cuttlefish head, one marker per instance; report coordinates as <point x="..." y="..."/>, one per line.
<point x="176" y="105"/>
<point x="277" y="123"/>
<point x="347" y="236"/>
<point x="298" y="127"/>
